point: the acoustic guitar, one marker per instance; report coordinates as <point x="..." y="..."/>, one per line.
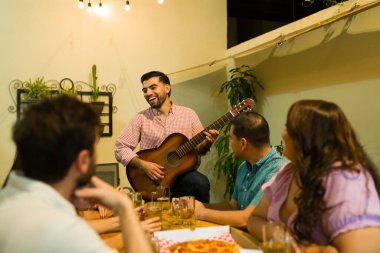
<point x="177" y="154"/>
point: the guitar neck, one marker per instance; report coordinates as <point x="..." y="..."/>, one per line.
<point x="197" y="139"/>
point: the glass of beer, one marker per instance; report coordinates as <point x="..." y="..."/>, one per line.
<point x="186" y="212"/>
<point x="137" y="199"/>
<point x="274" y="238"/>
<point x="153" y="209"/>
<point x="164" y="197"/>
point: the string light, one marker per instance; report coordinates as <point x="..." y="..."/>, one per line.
<point x="89" y="8"/>
<point x="80" y="4"/>
<point x="127" y="6"/>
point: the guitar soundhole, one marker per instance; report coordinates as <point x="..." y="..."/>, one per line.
<point x="172" y="158"/>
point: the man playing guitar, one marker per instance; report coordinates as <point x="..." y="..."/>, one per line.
<point x="151" y="127"/>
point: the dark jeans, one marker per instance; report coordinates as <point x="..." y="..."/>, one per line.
<point x="194" y="184"/>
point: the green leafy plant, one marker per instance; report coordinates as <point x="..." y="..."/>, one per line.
<point x="36" y="89"/>
<point x="242" y="84"/>
<point x="70" y="92"/>
<point x="95" y="88"/>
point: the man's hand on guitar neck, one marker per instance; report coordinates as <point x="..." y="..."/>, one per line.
<point x="205" y="145"/>
<point x="153" y="170"/>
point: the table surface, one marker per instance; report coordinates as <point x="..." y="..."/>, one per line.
<point x="169" y="222"/>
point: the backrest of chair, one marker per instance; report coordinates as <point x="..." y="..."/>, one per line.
<point x="108" y="172"/>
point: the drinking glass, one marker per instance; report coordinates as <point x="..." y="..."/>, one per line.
<point x="274" y="238"/>
<point x="164" y="197"/>
<point x="153" y="209"/>
<point x="186" y="212"/>
<point x="137" y="199"/>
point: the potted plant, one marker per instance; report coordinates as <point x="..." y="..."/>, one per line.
<point x="66" y="86"/>
<point x="97" y="105"/>
<point x="241" y="85"/>
<point x="36" y="90"/>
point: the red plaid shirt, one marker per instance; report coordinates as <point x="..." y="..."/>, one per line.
<point x="147" y="129"/>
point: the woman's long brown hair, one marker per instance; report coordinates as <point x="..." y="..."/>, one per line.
<point x="321" y="135"/>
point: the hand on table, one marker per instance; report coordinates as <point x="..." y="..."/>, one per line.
<point x="199" y="209"/>
<point x="151" y="225"/>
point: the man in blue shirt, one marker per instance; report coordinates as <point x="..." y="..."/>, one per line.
<point x="249" y="139"/>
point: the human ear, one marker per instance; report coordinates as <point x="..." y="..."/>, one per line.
<point x="243" y="143"/>
<point x="83" y="161"/>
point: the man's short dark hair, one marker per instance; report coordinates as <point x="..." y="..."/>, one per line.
<point x="253" y="127"/>
<point x="50" y="135"/>
<point x="162" y="77"/>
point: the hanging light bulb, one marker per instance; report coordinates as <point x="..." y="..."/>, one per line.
<point x="100" y="4"/>
<point x="127" y="6"/>
<point x="89" y="8"/>
<point x="80" y="4"/>
<point x="160" y="1"/>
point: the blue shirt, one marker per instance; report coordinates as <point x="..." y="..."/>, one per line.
<point x="250" y="178"/>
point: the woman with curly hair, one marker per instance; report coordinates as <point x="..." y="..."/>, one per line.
<point x="328" y="194"/>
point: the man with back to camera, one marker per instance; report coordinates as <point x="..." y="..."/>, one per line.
<point x="56" y="147"/>
<point x="249" y="139"/>
<point x="150" y="128"/>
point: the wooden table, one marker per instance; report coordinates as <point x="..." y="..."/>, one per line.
<point x="244" y="239"/>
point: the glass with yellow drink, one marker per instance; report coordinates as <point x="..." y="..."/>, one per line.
<point x="153" y="209"/>
<point x="186" y="212"/>
<point x="164" y="197"/>
<point x="274" y="238"/>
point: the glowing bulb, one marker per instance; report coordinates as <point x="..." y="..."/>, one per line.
<point x="127" y="7"/>
<point x="80" y="4"/>
<point x="89" y="8"/>
<point x="160" y="1"/>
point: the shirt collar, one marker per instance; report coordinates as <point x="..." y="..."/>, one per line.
<point x="156" y="113"/>
<point x="272" y="152"/>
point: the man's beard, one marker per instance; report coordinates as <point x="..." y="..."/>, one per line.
<point x="85" y="179"/>
<point x="160" y="100"/>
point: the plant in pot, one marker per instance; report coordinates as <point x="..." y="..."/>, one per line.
<point x="241" y="85"/>
<point x="96" y="105"/>
<point x="66" y="86"/>
<point x="36" y="90"/>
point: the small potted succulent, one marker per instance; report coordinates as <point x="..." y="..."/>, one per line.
<point x="36" y="90"/>
<point x="97" y="105"/>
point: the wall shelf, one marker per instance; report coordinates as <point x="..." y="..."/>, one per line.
<point x="105" y="97"/>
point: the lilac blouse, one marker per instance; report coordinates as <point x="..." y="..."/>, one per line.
<point x="352" y="197"/>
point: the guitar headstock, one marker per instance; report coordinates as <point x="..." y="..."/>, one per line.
<point x="246" y="105"/>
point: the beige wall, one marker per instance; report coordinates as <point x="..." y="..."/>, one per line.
<point x="55" y="39"/>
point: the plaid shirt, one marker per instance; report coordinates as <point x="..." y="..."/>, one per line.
<point x="147" y="129"/>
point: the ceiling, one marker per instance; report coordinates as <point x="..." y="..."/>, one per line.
<point x="250" y="18"/>
<point x="272" y="10"/>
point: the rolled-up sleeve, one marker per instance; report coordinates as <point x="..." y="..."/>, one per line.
<point x="128" y="140"/>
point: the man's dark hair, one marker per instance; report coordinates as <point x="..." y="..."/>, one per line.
<point x="253" y="127"/>
<point x="162" y="77"/>
<point x="51" y="134"/>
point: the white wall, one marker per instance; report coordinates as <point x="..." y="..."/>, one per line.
<point x="55" y="39"/>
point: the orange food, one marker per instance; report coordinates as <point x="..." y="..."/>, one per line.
<point x="204" y="246"/>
